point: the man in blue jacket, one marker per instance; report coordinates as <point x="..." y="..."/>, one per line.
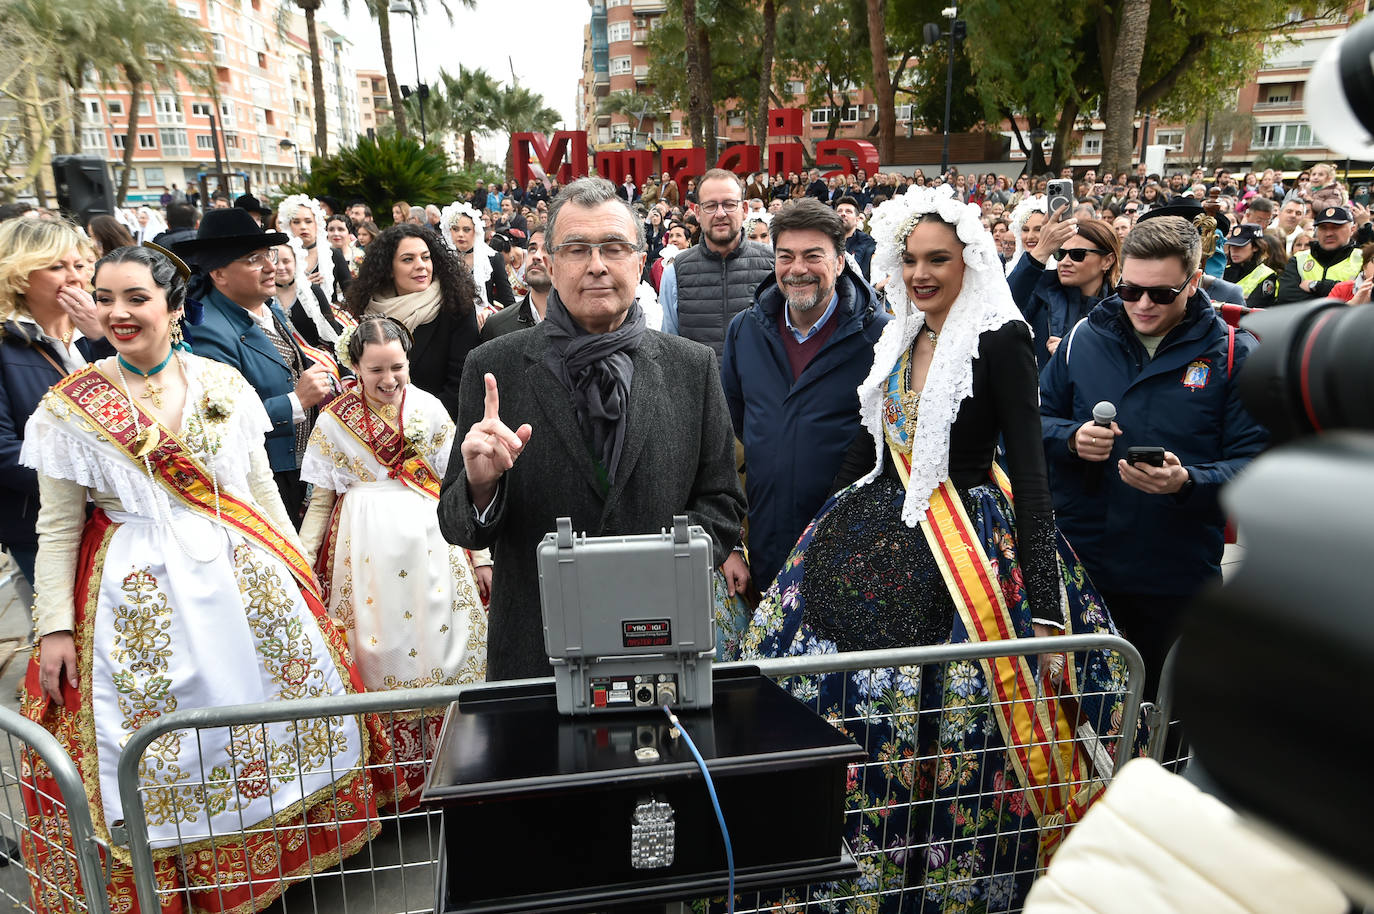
<point x="235" y="263"/>
<point x="791" y="370"/>
<point x="1149" y="536"/>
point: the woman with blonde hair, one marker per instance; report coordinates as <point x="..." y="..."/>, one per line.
<point x="47" y="330"/>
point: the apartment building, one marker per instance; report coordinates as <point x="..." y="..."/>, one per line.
<point x="257" y="115"/>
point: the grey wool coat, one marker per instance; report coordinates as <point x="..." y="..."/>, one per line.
<point x="678" y="457"/>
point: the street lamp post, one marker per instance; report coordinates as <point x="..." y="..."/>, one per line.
<point x="932" y="33"/>
<point x="407" y="7"/>
<point x="287" y="144"/>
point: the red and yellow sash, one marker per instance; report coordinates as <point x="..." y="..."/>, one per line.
<point x="1038" y="728"/>
<point x="181" y="475"/>
<point x="388" y="444"/>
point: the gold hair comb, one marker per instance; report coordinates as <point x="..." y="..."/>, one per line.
<point x="182" y="269"/>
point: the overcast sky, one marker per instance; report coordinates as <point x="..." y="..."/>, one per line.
<point x="541" y="38"/>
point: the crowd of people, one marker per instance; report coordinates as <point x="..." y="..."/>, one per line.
<point x="291" y="419"/>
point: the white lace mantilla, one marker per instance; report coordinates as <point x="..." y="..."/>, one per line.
<point x="62" y="444"/>
<point x="984" y="304"/>
<point x="481" y="254"/>
<point x="285" y="210"/>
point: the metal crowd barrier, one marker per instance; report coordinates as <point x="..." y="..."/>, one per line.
<point x="395" y="871"/>
<point x="47" y="860"/>
<point x="1168" y="740"/>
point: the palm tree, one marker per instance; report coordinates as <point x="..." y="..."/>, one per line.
<point x="154" y="44"/>
<point x="73" y="33"/>
<point x="518" y="110"/>
<point x="470" y="101"/>
<point x="308" y="9"/>
<point x="633" y="105"/>
<point x="381" y="11"/>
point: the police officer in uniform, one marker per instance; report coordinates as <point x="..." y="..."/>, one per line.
<point x="1247" y="269"/>
<point x="1333" y="259"/>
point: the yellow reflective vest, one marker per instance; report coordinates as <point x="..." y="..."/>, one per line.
<point x="1310" y="270"/>
<point x="1251" y="281"/>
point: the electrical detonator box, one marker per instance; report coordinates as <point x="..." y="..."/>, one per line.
<point x="628" y="620"/>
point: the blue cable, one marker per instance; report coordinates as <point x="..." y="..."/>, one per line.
<point x="715" y="801"/>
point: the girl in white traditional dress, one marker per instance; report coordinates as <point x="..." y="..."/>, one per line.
<point x="187" y="588"/>
<point x="410" y="603"/>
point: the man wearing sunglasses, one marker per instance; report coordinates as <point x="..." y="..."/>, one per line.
<point x="1150" y="536"/>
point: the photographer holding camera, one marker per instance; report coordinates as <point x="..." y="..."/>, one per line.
<point x="1148" y="526"/>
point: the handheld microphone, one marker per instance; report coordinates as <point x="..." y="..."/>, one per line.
<point x="1104" y="414"/>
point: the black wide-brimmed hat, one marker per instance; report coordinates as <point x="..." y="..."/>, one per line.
<point x="227" y="234"/>
<point x="252" y="204"/>
<point x="1186" y="208"/>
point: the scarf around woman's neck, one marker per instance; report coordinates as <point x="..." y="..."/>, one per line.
<point x="597" y="369"/>
<point x="412" y="309"/>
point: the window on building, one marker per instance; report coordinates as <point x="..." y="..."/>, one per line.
<point x="147" y="141"/>
<point x="169" y="109"/>
<point x="603" y="134"/>
<point x="1267" y="136"/>
<point x="820" y="117"/>
<point x="262" y="61"/>
<point x="200" y="109"/>
<point x="145" y="108"/>
<point x="612" y="4"/>
<point x="735" y="120"/>
<point x="114" y="107"/>
<point x="903" y="112"/>
<point x="620" y="133"/>
<point x="231" y="141"/>
<point x="205" y="141"/>
<point x="1278" y="94"/>
<point x="677" y="128"/>
<point x="118" y="140"/>
<point x="152" y="177"/>
<point x="1092" y="144"/>
<point x="795" y="87"/>
<point x="189" y="8"/>
<point x="1172" y="138"/>
<point x="850" y="115"/>
<point x="226" y="113"/>
<point x="93" y="141"/>
<point x="618" y="31"/>
<point x="620" y="66"/>
<point x="92" y="107"/>
<point x="174" y="142"/>
<point x="1297" y="136"/>
<point x="216" y="23"/>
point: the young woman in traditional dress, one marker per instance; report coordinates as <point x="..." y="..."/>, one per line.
<point x="186" y="588"/>
<point x="886" y="564"/>
<point x="410" y="603"/>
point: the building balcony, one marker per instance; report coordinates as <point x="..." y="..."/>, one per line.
<point x="603" y="120"/>
<point x="602" y="83"/>
<point x="640" y="37"/>
<point x="1294" y="103"/>
<point x="649" y="7"/>
<point x="642" y="73"/>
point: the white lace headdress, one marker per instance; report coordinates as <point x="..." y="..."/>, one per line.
<point x="1036" y="204"/>
<point x="325" y="257"/>
<point x="306" y="296"/>
<point x="481" y="254"/>
<point x="984" y="303"/>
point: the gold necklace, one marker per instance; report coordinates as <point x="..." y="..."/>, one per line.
<point x="911" y="399"/>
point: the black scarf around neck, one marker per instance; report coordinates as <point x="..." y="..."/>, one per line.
<point x="597" y="369"/>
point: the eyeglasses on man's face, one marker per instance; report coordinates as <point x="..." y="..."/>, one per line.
<point x="259" y="259"/>
<point x="581" y="251"/>
<point x="711" y="207"/>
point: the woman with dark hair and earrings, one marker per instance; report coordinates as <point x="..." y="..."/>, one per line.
<point x="412" y="276"/>
<point x="185" y="588"/>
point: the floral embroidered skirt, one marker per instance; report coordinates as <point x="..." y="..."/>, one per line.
<point x="938" y="819"/>
<point x="234" y="814"/>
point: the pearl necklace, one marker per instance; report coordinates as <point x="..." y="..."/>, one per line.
<point x="142" y="438"/>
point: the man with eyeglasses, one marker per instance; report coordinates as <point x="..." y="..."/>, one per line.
<point x="706" y="286"/>
<point x="1150" y="536"/>
<point x="589" y="415"/>
<point x="235" y="280"/>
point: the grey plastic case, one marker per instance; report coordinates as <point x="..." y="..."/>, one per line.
<point x="628" y="620"/>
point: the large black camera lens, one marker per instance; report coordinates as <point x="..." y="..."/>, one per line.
<point x="1314" y="369"/>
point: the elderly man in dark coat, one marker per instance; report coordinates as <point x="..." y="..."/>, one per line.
<point x="589" y="415"/>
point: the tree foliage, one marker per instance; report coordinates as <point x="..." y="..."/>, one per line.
<point x="824" y="45"/>
<point x="385" y="169"/>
